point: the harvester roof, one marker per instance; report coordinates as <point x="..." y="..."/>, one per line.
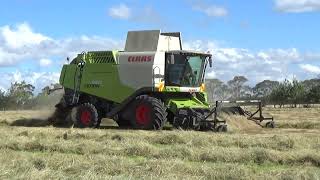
<point x="189" y="52"/>
<point x="152" y="40"/>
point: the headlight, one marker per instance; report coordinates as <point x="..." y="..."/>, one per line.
<point x="161" y="86"/>
<point x="202" y="87"/>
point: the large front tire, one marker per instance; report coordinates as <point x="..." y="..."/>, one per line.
<point x="148" y="113"/>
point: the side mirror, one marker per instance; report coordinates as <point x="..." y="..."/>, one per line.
<point x="81" y="64"/>
<point x="210" y="61"/>
<point x="172" y="59"/>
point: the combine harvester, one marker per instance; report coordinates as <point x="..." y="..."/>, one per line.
<point x="149" y="83"/>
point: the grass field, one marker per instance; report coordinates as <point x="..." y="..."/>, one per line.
<point x="290" y="151"/>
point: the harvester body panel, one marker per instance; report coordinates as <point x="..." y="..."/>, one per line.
<point x="141" y="69"/>
<point x="99" y="80"/>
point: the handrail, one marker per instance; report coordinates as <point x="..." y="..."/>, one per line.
<point x="153" y="76"/>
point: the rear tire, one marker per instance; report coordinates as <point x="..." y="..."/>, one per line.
<point x="148" y="113"/>
<point x="85" y="116"/>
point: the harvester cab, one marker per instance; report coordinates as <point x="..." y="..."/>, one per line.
<point x="149" y="83"/>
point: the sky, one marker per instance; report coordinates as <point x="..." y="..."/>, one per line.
<point x="265" y="39"/>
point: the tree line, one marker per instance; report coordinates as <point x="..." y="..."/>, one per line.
<point x="287" y="92"/>
<point x="21" y="95"/>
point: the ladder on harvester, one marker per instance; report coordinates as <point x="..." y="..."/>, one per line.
<point x="77" y="80"/>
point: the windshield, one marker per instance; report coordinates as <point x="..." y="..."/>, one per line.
<point x="184" y="71"/>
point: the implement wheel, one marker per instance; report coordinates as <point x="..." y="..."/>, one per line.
<point x="85" y="115"/>
<point x="148" y="113"/>
<point x="270" y="124"/>
<point x="222" y="128"/>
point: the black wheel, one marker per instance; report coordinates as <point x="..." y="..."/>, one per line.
<point x="270" y="124"/>
<point x="222" y="128"/>
<point x="185" y="123"/>
<point x="148" y="113"/>
<point x="98" y="123"/>
<point x="182" y="123"/>
<point x="85" y="115"/>
<point x="170" y="117"/>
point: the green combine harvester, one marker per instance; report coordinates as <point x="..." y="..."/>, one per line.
<point x="151" y="82"/>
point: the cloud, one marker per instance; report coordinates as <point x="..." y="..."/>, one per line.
<point x="146" y="14"/>
<point x="45" y="62"/>
<point x="8" y="58"/>
<point x="20" y="43"/>
<point x="20" y="36"/>
<point x="16" y="43"/>
<point x="38" y="79"/>
<point x="210" y="10"/>
<point x="211" y="75"/>
<point x="200" y="45"/>
<point x="310" y="68"/>
<point x="273" y="64"/>
<point x="297" y="6"/>
<point x="215" y="11"/>
<point x="121" y="11"/>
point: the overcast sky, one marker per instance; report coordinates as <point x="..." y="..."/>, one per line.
<point x="265" y="39"/>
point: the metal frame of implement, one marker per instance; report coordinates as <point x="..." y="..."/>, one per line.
<point x="250" y="116"/>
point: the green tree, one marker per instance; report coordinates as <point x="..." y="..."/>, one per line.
<point x="288" y="93"/>
<point x="313" y="95"/>
<point x="281" y="94"/>
<point x="297" y="93"/>
<point x="310" y="83"/>
<point x="20" y="95"/>
<point x="2" y="99"/>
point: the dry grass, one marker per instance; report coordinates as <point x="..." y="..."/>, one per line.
<point x="239" y="123"/>
<point x="244" y="153"/>
<point x="297" y="118"/>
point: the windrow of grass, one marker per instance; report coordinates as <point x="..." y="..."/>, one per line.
<point x="28" y="165"/>
<point x="51" y="153"/>
<point x="295" y="118"/>
<point x="272" y="139"/>
<point x="44" y="165"/>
